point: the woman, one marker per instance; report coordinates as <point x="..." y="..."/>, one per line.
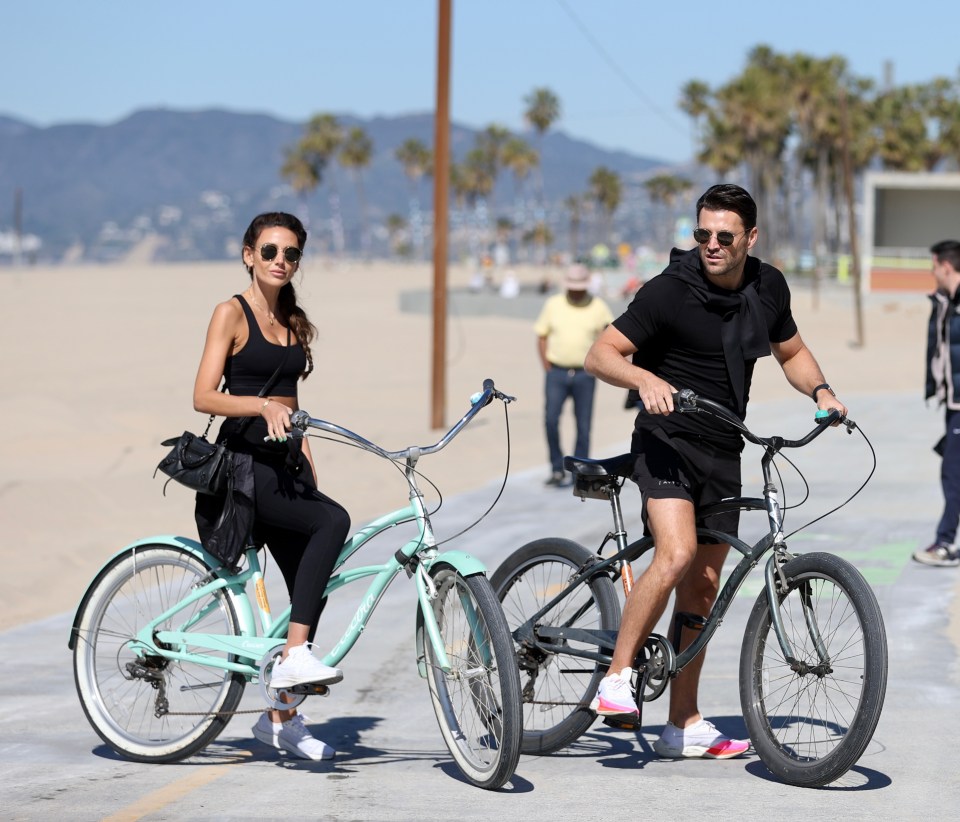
<point x="249" y="336"/>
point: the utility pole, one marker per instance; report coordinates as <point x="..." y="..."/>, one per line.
<point x="441" y="188"/>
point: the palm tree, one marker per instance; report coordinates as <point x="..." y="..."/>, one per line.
<point x="749" y="123"/>
<point x="396" y="233"/>
<point x="417" y="161"/>
<point x="306" y="161"/>
<point x="664" y="189"/>
<point x="472" y="182"/>
<point x="950" y="126"/>
<point x="918" y="125"/>
<point x="519" y="157"/>
<point x="542" y="111"/>
<point x="490" y="145"/>
<point x="459" y="187"/>
<point x="304" y="173"/>
<point x="574" y="205"/>
<point x="606" y="190"/>
<point x="695" y="101"/>
<point x="355" y="155"/>
<point x="540" y="237"/>
<point x="814" y="89"/>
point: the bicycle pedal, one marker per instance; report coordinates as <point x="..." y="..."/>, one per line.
<point x="310" y="689"/>
<point x="623" y="722"/>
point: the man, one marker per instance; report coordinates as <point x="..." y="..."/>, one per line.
<point x="701" y="324"/>
<point x="568" y="325"/>
<point x="943" y="381"/>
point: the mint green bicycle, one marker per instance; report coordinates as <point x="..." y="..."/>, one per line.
<point x="165" y="638"/>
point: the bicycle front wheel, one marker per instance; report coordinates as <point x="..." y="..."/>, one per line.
<point x="811" y="722"/>
<point x="145" y="706"/>
<point x="477" y="701"/>
<point x="556" y="688"/>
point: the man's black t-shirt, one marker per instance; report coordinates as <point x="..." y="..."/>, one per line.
<point x="677" y="333"/>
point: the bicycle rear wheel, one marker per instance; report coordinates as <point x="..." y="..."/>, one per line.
<point x="811" y="725"/>
<point x="556" y="689"/>
<point x="122" y="691"/>
<point x="477" y="702"/>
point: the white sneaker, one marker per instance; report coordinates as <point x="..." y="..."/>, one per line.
<point x="295" y="738"/>
<point x="301" y="667"/>
<point x="267" y="732"/>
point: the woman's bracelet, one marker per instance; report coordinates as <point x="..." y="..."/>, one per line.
<point x="264" y="406"/>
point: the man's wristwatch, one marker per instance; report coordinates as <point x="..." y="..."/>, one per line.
<point x="820" y="388"/>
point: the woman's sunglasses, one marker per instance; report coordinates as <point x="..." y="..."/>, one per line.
<point x="725" y="238"/>
<point x="291" y="254"/>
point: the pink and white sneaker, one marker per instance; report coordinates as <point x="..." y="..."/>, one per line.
<point x="615" y="696"/>
<point x="700" y="741"/>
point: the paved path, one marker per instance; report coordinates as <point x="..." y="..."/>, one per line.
<point x="393" y="764"/>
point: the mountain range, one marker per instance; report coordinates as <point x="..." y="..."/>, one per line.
<point x="191" y="180"/>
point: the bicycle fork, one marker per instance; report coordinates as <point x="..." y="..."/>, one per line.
<point x="776" y="581"/>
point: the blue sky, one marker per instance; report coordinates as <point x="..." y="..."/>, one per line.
<point x="617" y="66"/>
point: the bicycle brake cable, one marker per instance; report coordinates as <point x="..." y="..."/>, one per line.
<point x="400" y="468"/>
<point x="503" y="485"/>
<point x="863" y="485"/>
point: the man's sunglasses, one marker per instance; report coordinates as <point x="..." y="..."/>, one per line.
<point x="291" y="254"/>
<point x="725" y="238"/>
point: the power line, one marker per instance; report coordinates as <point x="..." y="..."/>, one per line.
<point x="627" y="80"/>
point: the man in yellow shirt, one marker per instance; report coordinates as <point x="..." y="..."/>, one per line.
<point x="568" y="325"/>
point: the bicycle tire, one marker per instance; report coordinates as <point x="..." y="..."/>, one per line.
<point x="478" y="702"/>
<point x="119" y="704"/>
<point x="810" y="729"/>
<point x="556" y="699"/>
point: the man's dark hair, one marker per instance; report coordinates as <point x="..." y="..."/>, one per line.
<point x="728" y="197"/>
<point x="947" y="251"/>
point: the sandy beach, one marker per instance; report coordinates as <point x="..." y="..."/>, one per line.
<point x="98" y="367"/>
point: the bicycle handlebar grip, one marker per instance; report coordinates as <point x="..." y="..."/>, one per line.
<point x="823" y="417"/>
<point x="299" y="419"/>
<point x="488" y="384"/>
<point x="685" y="400"/>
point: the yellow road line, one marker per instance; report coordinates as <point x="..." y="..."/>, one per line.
<point x="164" y="796"/>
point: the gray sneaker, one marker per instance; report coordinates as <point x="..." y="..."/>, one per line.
<point x="939" y="555"/>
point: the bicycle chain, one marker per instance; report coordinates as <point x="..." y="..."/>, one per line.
<point x="211" y="713"/>
<point x="558" y="704"/>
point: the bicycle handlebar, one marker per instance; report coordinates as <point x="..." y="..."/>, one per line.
<point x="686" y="401"/>
<point x="301" y="421"/>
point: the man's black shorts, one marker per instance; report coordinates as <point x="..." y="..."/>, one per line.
<point x="679" y="468"/>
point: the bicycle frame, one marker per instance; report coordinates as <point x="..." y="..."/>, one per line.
<point x="251" y="646"/>
<point x="751" y="556"/>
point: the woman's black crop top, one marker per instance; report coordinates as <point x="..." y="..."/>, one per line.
<point x="248" y="370"/>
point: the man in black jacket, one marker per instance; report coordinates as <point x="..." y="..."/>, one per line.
<point x="701" y="324"/>
<point x="943" y="382"/>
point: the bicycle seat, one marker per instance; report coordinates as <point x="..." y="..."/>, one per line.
<point x="621" y="466"/>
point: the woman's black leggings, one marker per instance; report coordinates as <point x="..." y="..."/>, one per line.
<point x="304" y="531"/>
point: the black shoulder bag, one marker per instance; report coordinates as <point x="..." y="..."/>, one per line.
<point x="201" y="465"/>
